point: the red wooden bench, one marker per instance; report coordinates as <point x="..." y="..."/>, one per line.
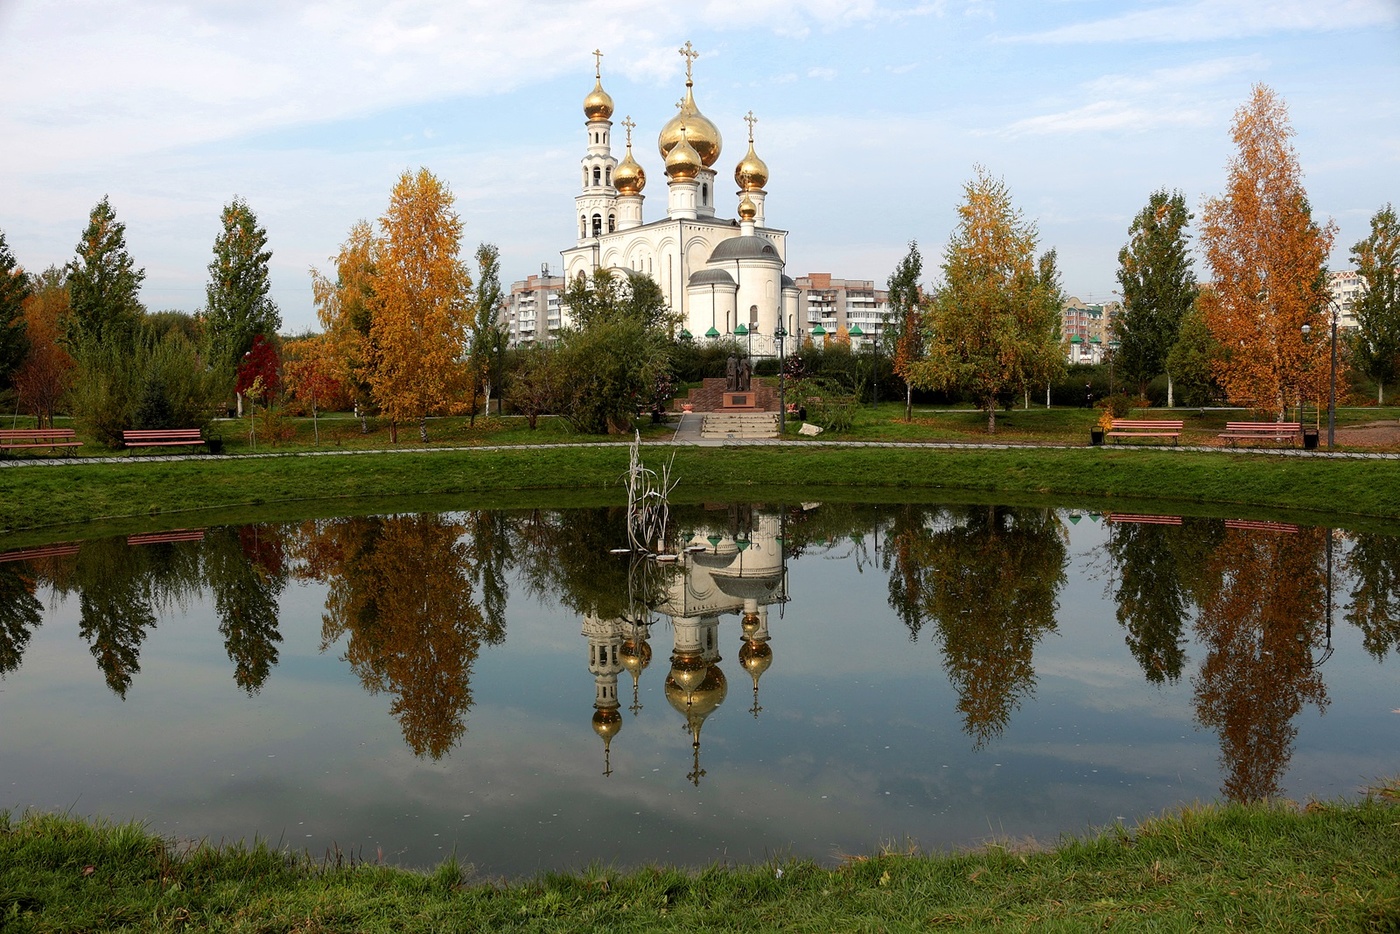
<point x="1262" y="431"/>
<point x="161" y="437"/>
<point x="44" y="551"/>
<point x="1143" y="520"/>
<point x="1257" y="526"/>
<point x="1144" y="428"/>
<point x="38" y="438"/>
<point x="161" y="538"/>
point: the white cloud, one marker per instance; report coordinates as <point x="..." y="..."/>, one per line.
<point x="1208" y="20"/>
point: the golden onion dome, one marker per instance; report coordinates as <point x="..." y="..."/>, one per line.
<point x="629" y="177"/>
<point x="756" y="657"/>
<point x="697" y="129"/>
<point x="747" y="209"/>
<point x="751" y="174"/>
<point x="607" y="721"/>
<point x="702" y="700"/>
<point x="687" y="671"/>
<point x="598" y="105"/>
<point x="749" y="623"/>
<point x="636" y="656"/>
<point x="683" y="162"/>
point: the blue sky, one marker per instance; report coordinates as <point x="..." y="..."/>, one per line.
<point x="871" y="117"/>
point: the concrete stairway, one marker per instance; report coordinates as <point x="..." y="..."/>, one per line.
<point x="739" y="426"/>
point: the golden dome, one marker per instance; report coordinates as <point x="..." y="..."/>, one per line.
<point x="636" y="656"/>
<point x="688" y="671"/>
<point x="683" y="162"/>
<point x="598" y="105"/>
<point x="747" y="209"/>
<point x="751" y="174"/>
<point x="756" y="657"/>
<point x="695" y="127"/>
<point x="701" y="701"/>
<point x="607" y="721"/>
<point x="749" y="623"/>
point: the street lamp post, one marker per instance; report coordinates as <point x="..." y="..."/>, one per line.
<point x="780" y="332"/>
<point x="1332" y="392"/>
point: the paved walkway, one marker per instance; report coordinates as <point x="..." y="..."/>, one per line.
<point x="688" y="434"/>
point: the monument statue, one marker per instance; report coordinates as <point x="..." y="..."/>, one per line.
<point x="742" y="376"/>
<point x="731" y="374"/>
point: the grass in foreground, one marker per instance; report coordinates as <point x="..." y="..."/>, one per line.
<point x="1273" y="867"/>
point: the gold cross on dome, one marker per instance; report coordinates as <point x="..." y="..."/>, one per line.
<point x="598" y="64"/>
<point x="750" y="120"/>
<point x="629" y="124"/>
<point x="690" y="55"/>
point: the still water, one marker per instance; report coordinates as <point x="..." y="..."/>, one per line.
<point x="810" y="680"/>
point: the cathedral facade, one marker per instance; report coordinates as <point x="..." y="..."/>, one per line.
<point x="724" y="276"/>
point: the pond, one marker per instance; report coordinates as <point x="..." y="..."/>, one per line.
<point x="804" y="680"/>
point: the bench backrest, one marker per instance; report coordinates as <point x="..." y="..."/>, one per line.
<point x="25" y="434"/>
<point x="1160" y="423"/>
<point x="1281" y="427"/>
<point x="151" y="434"/>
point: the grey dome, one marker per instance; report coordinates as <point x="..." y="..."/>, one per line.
<point x="744" y="248"/>
<point x="712" y="277"/>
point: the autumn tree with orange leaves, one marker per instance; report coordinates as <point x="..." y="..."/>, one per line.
<point x="418" y="334"/>
<point x="346" y="306"/>
<point x="1267" y="256"/>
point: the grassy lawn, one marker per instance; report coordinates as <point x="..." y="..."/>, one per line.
<point x="131" y="485"/>
<point x="1261" y="867"/>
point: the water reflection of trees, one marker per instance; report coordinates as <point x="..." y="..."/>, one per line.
<point x="402" y="593"/>
<point x="20" y="613"/>
<point x="246" y="571"/>
<point x="1156" y="570"/>
<point x="988" y="579"/>
<point x="1373" y="564"/>
<point x="1262" y="607"/>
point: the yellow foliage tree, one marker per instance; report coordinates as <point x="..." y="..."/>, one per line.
<point x="347" y="306"/>
<point x="417" y="337"/>
<point x="1267" y="258"/>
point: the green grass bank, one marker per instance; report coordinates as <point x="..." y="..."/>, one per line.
<point x="1261" y="867"/>
<point x="55" y="498"/>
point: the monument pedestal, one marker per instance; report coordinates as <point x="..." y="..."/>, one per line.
<point x="741" y="400"/>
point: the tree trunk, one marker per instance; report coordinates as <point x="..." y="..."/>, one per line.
<point x="991" y="416"/>
<point x="393" y="431"/>
<point x="908" y="403"/>
<point x="315" y="423"/>
<point x="1170" y="403"/>
<point x="1380" y="394"/>
<point x="423" y="429"/>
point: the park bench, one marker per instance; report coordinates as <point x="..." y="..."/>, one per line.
<point x="161" y="437"/>
<point x="1144" y="428"/>
<point x="1262" y="431"/>
<point x="38" y="438"/>
<point x="62" y="550"/>
<point x="1143" y="519"/>
<point x="165" y="538"/>
<point x="1253" y="525"/>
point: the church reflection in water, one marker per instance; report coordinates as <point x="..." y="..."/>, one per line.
<point x="734" y="568"/>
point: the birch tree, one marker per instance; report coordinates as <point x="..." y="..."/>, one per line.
<point x="418" y="334"/>
<point x="1266" y="255"/>
<point x="992" y="330"/>
<point x="906" y="318"/>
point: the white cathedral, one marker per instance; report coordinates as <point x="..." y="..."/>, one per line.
<point x="724" y="276"/>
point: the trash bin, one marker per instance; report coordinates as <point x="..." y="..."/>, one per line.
<point x="1310" y="439"/>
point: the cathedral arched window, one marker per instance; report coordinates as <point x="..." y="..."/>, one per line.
<point x="597" y="175"/>
<point x="597" y="224"/>
<point x="612" y="222"/>
<point x="582" y="226"/>
<point x="704" y="194"/>
<point x="585" y="176"/>
<point x="607" y="176"/>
